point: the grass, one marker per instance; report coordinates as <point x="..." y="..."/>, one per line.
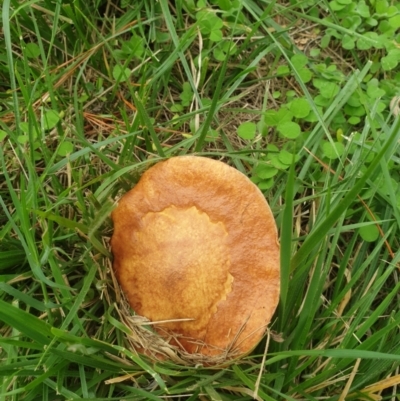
<point x="93" y="93"/>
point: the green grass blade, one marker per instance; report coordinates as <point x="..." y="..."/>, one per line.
<point x="286" y="240"/>
<point x="26" y="323"/>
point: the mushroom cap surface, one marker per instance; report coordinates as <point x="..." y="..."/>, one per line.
<point x="196" y="250"/>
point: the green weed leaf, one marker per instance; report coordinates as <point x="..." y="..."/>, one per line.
<point x="210" y="25"/>
<point x="32" y="50"/>
<point x="65" y="149"/>
<point x="300" y="108"/>
<point x="373" y="90"/>
<point x="381" y="6"/>
<point x="286" y="157"/>
<point x="187" y="94"/>
<point x="121" y="74"/>
<point x="283" y="70"/>
<point x="348" y="42"/>
<point x="395" y="21"/>
<point x="289" y="129"/>
<point x="299" y="61"/>
<point x="327" y="89"/>
<point x="264" y="171"/>
<point x="266" y="184"/>
<point x="272" y="117"/>
<point x="336" y="6"/>
<point x="212" y="135"/>
<point x="247" y="130"/>
<point x="222" y="49"/>
<point x="333" y="151"/>
<point x="362" y="9"/>
<point x="391" y="61"/>
<point x="369" y="233"/>
<point x="50" y="119"/>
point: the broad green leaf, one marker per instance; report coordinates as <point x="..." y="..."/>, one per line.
<point x="300" y="108"/>
<point x="369" y="233"/>
<point x="391" y="61"/>
<point x="275" y="162"/>
<point x="321" y="101"/>
<point x="299" y="61"/>
<point x="271" y="118"/>
<point x="216" y="35"/>
<point x="22" y="139"/>
<point x="381" y="6"/>
<point x="328" y="89"/>
<point x="209" y="22"/>
<point x="333" y="151"/>
<point x="363" y="9"/>
<point x="354" y="111"/>
<point x="354" y="100"/>
<point x="336" y="6"/>
<point x="354" y="120"/>
<point x="121" y="74"/>
<point x="395" y="21"/>
<point x="32" y="50"/>
<point x="50" y="119"/>
<point x="176" y="108"/>
<point x="212" y="135"/>
<point x="65" y="149"/>
<point x="247" y="130"/>
<point x="265" y="172"/>
<point x="374" y="92"/>
<point x="221" y="51"/>
<point x="282" y="70"/>
<point x="326" y="39"/>
<point x="364" y="44"/>
<point x="266" y="184"/>
<point x="371" y="21"/>
<point x="286" y="157"/>
<point x="305" y="74"/>
<point x="225" y="5"/>
<point x="348" y="42"/>
<point x="187" y="94"/>
<point x="136" y="46"/>
<point x="352" y="22"/>
<point x="289" y="129"/>
<point x="25" y="127"/>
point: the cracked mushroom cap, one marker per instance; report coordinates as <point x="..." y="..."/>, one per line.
<point x="196" y="249"/>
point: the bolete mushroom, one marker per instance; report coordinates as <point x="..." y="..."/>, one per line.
<point x="196" y="250"/>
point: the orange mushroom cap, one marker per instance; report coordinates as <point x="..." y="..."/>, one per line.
<point x="196" y="250"/>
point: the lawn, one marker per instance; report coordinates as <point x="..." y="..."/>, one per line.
<point x="303" y="97"/>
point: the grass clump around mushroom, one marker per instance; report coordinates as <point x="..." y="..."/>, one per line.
<point x="301" y="97"/>
<point x="145" y="341"/>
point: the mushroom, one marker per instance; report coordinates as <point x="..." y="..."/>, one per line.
<point x="196" y="252"/>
